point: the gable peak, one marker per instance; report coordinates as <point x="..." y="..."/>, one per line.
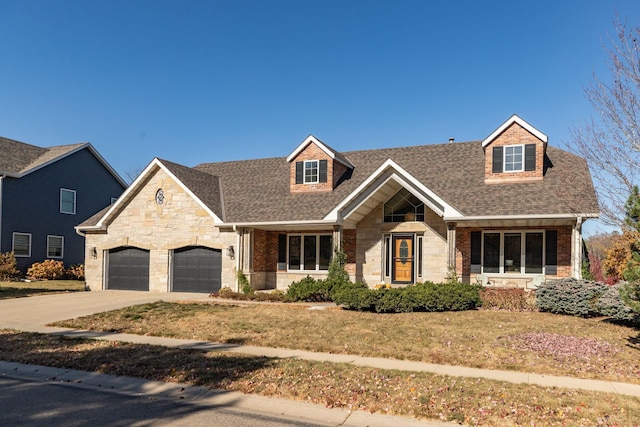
<point x="514" y="119"/>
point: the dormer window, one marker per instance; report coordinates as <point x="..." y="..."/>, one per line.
<point x="513" y="158"/>
<point x="311" y="172"/>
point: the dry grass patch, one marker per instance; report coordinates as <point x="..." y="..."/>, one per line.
<point x="427" y="396"/>
<point x="26" y="289"/>
<point x="480" y="339"/>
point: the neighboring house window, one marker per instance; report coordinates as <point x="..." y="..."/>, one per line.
<point x="310" y="252"/>
<point x="514" y="252"/>
<point x="55" y="245"/>
<point x="404" y="206"/>
<point x="514" y="158"/>
<point x="67" y="201"/>
<point x="22" y="244"/>
<point x="113" y="200"/>
<point x="311" y="172"/>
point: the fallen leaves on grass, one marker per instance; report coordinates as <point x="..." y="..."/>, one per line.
<point x="421" y="395"/>
<point x="562" y="346"/>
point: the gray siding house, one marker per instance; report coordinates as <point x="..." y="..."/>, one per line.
<point x="45" y="193"/>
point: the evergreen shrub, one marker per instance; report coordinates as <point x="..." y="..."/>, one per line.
<point x="570" y="296"/>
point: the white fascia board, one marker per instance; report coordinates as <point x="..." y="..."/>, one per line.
<point x="136" y="185"/>
<point x="404" y="178"/>
<point x="517" y="217"/>
<point x="93" y="151"/>
<point x="322" y="222"/>
<point x="515" y="119"/>
<point x="308" y="140"/>
<point x="216" y="219"/>
<point x="124" y="196"/>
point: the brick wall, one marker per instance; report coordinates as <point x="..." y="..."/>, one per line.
<point x="463" y="250"/>
<point x="514" y="135"/>
<point x="313" y="152"/>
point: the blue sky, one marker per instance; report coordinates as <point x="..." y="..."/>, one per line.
<point x="195" y="81"/>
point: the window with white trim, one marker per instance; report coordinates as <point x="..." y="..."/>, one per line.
<point x="514" y="158"/>
<point x="310" y="171"/>
<point x="55" y="246"/>
<point x="513" y="252"/>
<point x="21" y="244"/>
<point x="309" y="252"/>
<point x="67" y="201"/>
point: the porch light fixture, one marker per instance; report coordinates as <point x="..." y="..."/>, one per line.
<point x="230" y="252"/>
<point x="94" y="253"/>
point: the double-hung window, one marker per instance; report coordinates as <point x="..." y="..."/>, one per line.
<point x="310" y="252"/>
<point x="22" y="244"/>
<point x="67" y="201"/>
<point x="55" y="246"/>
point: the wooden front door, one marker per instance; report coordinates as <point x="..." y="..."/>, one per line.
<point x="402" y="259"/>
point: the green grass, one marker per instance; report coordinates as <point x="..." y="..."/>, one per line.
<point x="26" y="289"/>
<point x="480" y="339"/>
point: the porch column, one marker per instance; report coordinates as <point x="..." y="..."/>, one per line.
<point x="576" y="249"/>
<point x="451" y="243"/>
<point x="337" y="238"/>
<point x="245" y="250"/>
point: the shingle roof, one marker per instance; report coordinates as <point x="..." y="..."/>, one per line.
<point x="204" y="186"/>
<point x="258" y="190"/>
<point x="19" y="157"/>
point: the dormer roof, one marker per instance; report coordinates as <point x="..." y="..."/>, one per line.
<point x="514" y="119"/>
<point x="335" y="155"/>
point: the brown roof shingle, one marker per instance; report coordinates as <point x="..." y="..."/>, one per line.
<point x="258" y="190"/>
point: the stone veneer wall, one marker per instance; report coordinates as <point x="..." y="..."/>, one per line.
<point x="370" y="250"/>
<point x="179" y="222"/>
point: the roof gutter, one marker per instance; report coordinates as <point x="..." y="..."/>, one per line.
<point x="517" y="217"/>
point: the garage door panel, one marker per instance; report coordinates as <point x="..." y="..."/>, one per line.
<point x="196" y="269"/>
<point x="128" y="269"/>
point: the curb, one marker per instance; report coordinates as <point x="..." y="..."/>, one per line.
<point x="202" y="396"/>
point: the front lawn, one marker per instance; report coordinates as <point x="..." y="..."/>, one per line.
<point x="530" y="342"/>
<point x="471" y="401"/>
<point x="25" y="289"/>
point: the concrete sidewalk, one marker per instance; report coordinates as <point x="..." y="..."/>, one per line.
<point x="30" y="314"/>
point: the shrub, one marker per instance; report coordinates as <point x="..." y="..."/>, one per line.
<point x="75" y="272"/>
<point x="309" y="289"/>
<point x="507" y="299"/>
<point x="274" y="296"/>
<point x="46" y="270"/>
<point x="243" y="281"/>
<point x="355" y="296"/>
<point x="8" y="267"/>
<point x="611" y="304"/>
<point x="570" y="296"/>
<point x="428" y="296"/>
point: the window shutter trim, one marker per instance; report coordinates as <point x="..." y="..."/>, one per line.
<point x="497" y="160"/>
<point x="322" y="172"/>
<point x="551" y="252"/>
<point x="299" y="172"/>
<point x="530" y="157"/>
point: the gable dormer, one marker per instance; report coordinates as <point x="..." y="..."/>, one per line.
<point x="514" y="152"/>
<point x="316" y="167"/>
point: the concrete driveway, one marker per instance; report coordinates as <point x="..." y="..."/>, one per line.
<point x="18" y="313"/>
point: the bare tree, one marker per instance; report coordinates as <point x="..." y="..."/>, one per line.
<point x="132" y="174"/>
<point x="611" y="141"/>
